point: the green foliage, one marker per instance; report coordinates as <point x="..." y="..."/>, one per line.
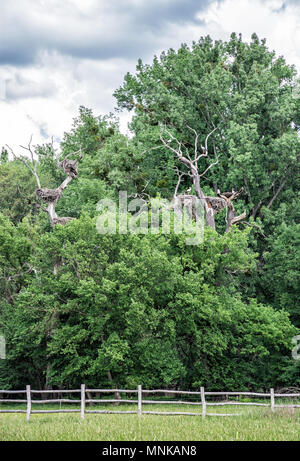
<point x="120" y="310"/>
<point x="15" y="252"/>
<point x="244" y="91"/>
<point x="17" y="186"/>
<point x="142" y="309"/>
<point x="88" y="132"/>
<point x="281" y="271"/>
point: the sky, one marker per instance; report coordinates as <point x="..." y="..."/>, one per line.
<point x="57" y="55"/>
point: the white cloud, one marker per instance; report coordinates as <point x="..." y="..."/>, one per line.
<point x="46" y="98"/>
<point x="275" y="20"/>
<point x="59" y="55"/>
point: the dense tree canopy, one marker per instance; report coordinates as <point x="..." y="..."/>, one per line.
<point x="126" y="309"/>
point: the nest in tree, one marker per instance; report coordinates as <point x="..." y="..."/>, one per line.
<point x="48" y="195"/>
<point x="216" y="203"/>
<point x="61" y="221"/>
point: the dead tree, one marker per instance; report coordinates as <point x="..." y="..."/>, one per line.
<point x="212" y="205"/>
<point x="192" y="165"/>
<point x="231" y="215"/>
<point x="51" y="196"/>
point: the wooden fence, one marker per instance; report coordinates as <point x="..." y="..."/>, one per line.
<point x="203" y="403"/>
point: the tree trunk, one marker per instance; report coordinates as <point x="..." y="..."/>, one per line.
<point x="117" y="394"/>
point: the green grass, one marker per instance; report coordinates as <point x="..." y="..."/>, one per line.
<point x="254" y="424"/>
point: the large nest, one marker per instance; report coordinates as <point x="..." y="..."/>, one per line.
<point x="48" y="195"/>
<point x="61" y="221"/>
<point x="216" y="203"/>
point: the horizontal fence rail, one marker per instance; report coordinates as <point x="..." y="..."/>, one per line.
<point x="202" y="402"/>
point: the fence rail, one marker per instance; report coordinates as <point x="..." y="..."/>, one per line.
<point x="139" y="401"/>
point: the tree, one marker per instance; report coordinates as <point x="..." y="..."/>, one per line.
<point x="50" y="196"/>
<point x="17" y="196"/>
<point x="280" y="278"/>
<point x="211" y="204"/>
<point x="218" y="122"/>
<point x="128" y="309"/>
<point x="240" y="90"/>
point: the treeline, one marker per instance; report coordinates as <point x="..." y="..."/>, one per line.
<point x="120" y="310"/>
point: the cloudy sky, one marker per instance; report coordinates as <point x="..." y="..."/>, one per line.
<point x="57" y="55"/>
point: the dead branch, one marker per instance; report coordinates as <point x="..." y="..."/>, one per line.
<point x="51" y="196"/>
<point x="180" y="174"/>
<point x="192" y="166"/>
<point x="32" y="167"/>
<point x="231" y="217"/>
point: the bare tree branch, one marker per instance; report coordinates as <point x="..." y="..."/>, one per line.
<point x="51" y="196"/>
<point x="192" y="166"/>
<point x="231" y="216"/>
<point x="207" y="137"/>
<point x="33" y="168"/>
<point x="180" y="174"/>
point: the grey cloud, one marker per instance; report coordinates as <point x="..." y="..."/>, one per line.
<point x="105" y="48"/>
<point x="156" y="14"/>
<point x="20" y="88"/>
<point x="17" y="55"/>
<point x="119" y="30"/>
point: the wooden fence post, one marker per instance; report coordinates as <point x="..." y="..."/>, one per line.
<point x="82" y="409"/>
<point x="272" y="400"/>
<point x="203" y="402"/>
<point x="139" y="400"/>
<point x="28" y="394"/>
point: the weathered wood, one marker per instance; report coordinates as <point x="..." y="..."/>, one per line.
<point x="53" y="391"/>
<point x="286" y="395"/>
<point x="110" y="401"/>
<point x="158" y="391"/>
<point x="13" y="411"/>
<point x="215" y="404"/>
<point x="112" y="391"/>
<point x="2" y="391"/>
<point x="254" y="394"/>
<point x="28" y="393"/>
<point x="112" y="412"/>
<point x="203" y="402"/>
<point x="55" y="401"/>
<point x="54" y="411"/>
<point x="172" y="402"/>
<point x="82" y="409"/>
<point x="224" y="414"/>
<point x="139" y="400"/>
<point x="272" y="400"/>
<point x="169" y="413"/>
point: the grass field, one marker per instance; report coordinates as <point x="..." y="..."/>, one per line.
<point x="255" y="424"/>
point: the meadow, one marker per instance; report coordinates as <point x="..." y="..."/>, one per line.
<point x="253" y="424"/>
